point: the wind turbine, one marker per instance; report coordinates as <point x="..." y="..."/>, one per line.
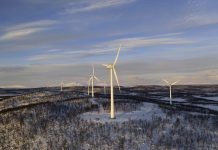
<point x="111" y="67"/>
<point x="91" y="79"/>
<point x="170" y="87"/>
<point x="88" y="85"/>
<point x="62" y="84"/>
<point x="104" y="87"/>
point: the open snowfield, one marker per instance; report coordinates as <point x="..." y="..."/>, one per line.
<point x="146" y="112"/>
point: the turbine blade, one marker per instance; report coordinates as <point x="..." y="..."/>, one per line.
<point x="166" y="81"/>
<point x="115" y="61"/>
<point x="175" y="82"/>
<point x="105" y="65"/>
<point x="88" y="82"/>
<point x="97" y="78"/>
<point x="115" y="74"/>
<point x="90" y="78"/>
<point x="93" y="70"/>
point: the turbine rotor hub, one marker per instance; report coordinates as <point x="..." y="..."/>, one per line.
<point x="109" y="66"/>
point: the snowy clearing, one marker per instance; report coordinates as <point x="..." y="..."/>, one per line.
<point x="145" y="113"/>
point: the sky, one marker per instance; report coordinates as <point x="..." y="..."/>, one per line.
<point x="43" y="42"/>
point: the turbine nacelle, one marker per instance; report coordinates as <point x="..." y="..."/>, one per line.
<point x="170" y="84"/>
<point x="108" y="66"/>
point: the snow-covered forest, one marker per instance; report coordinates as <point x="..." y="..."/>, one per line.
<point x="60" y="124"/>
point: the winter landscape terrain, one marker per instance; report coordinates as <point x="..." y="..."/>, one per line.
<point x="46" y="118"/>
<point x="108" y="75"/>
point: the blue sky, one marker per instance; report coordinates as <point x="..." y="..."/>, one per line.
<point x="45" y="41"/>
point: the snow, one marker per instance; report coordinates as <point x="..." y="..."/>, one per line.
<point x="155" y="93"/>
<point x="93" y="101"/>
<point x="214" y="98"/>
<point x="145" y="113"/>
<point x="144" y="146"/>
<point x="9" y="94"/>
<point x="133" y="94"/>
<point x="174" y="99"/>
<point x="212" y="107"/>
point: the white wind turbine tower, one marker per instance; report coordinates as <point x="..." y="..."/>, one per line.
<point x="91" y="79"/>
<point x="88" y="85"/>
<point x="111" y="67"/>
<point x="62" y="84"/>
<point x="104" y="87"/>
<point x="170" y="87"/>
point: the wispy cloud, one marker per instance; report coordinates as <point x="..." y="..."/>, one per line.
<point x="106" y="47"/>
<point x="25" y="29"/>
<point x="33" y="24"/>
<point x="45" y="57"/>
<point x="196" y="20"/>
<point x="87" y="5"/>
<point x="69" y="54"/>
<point x="19" y="33"/>
<point x="135" y="42"/>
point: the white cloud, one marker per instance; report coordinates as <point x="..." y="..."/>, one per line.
<point x="107" y="47"/>
<point x="54" y="50"/>
<point x="19" y="33"/>
<point x="33" y="24"/>
<point x="131" y="43"/>
<point x="45" y="57"/>
<point x="196" y="20"/>
<point x="88" y="5"/>
<point x="25" y="29"/>
<point x="69" y="54"/>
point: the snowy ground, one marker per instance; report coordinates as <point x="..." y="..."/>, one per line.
<point x="145" y="113"/>
<point x="155" y="93"/>
<point x="144" y="146"/>
<point x="173" y="99"/>
<point x="212" y="107"/>
<point x="9" y="95"/>
<point x="214" y="98"/>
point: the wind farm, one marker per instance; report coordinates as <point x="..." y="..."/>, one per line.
<point x="170" y="88"/>
<point x="108" y="75"/>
